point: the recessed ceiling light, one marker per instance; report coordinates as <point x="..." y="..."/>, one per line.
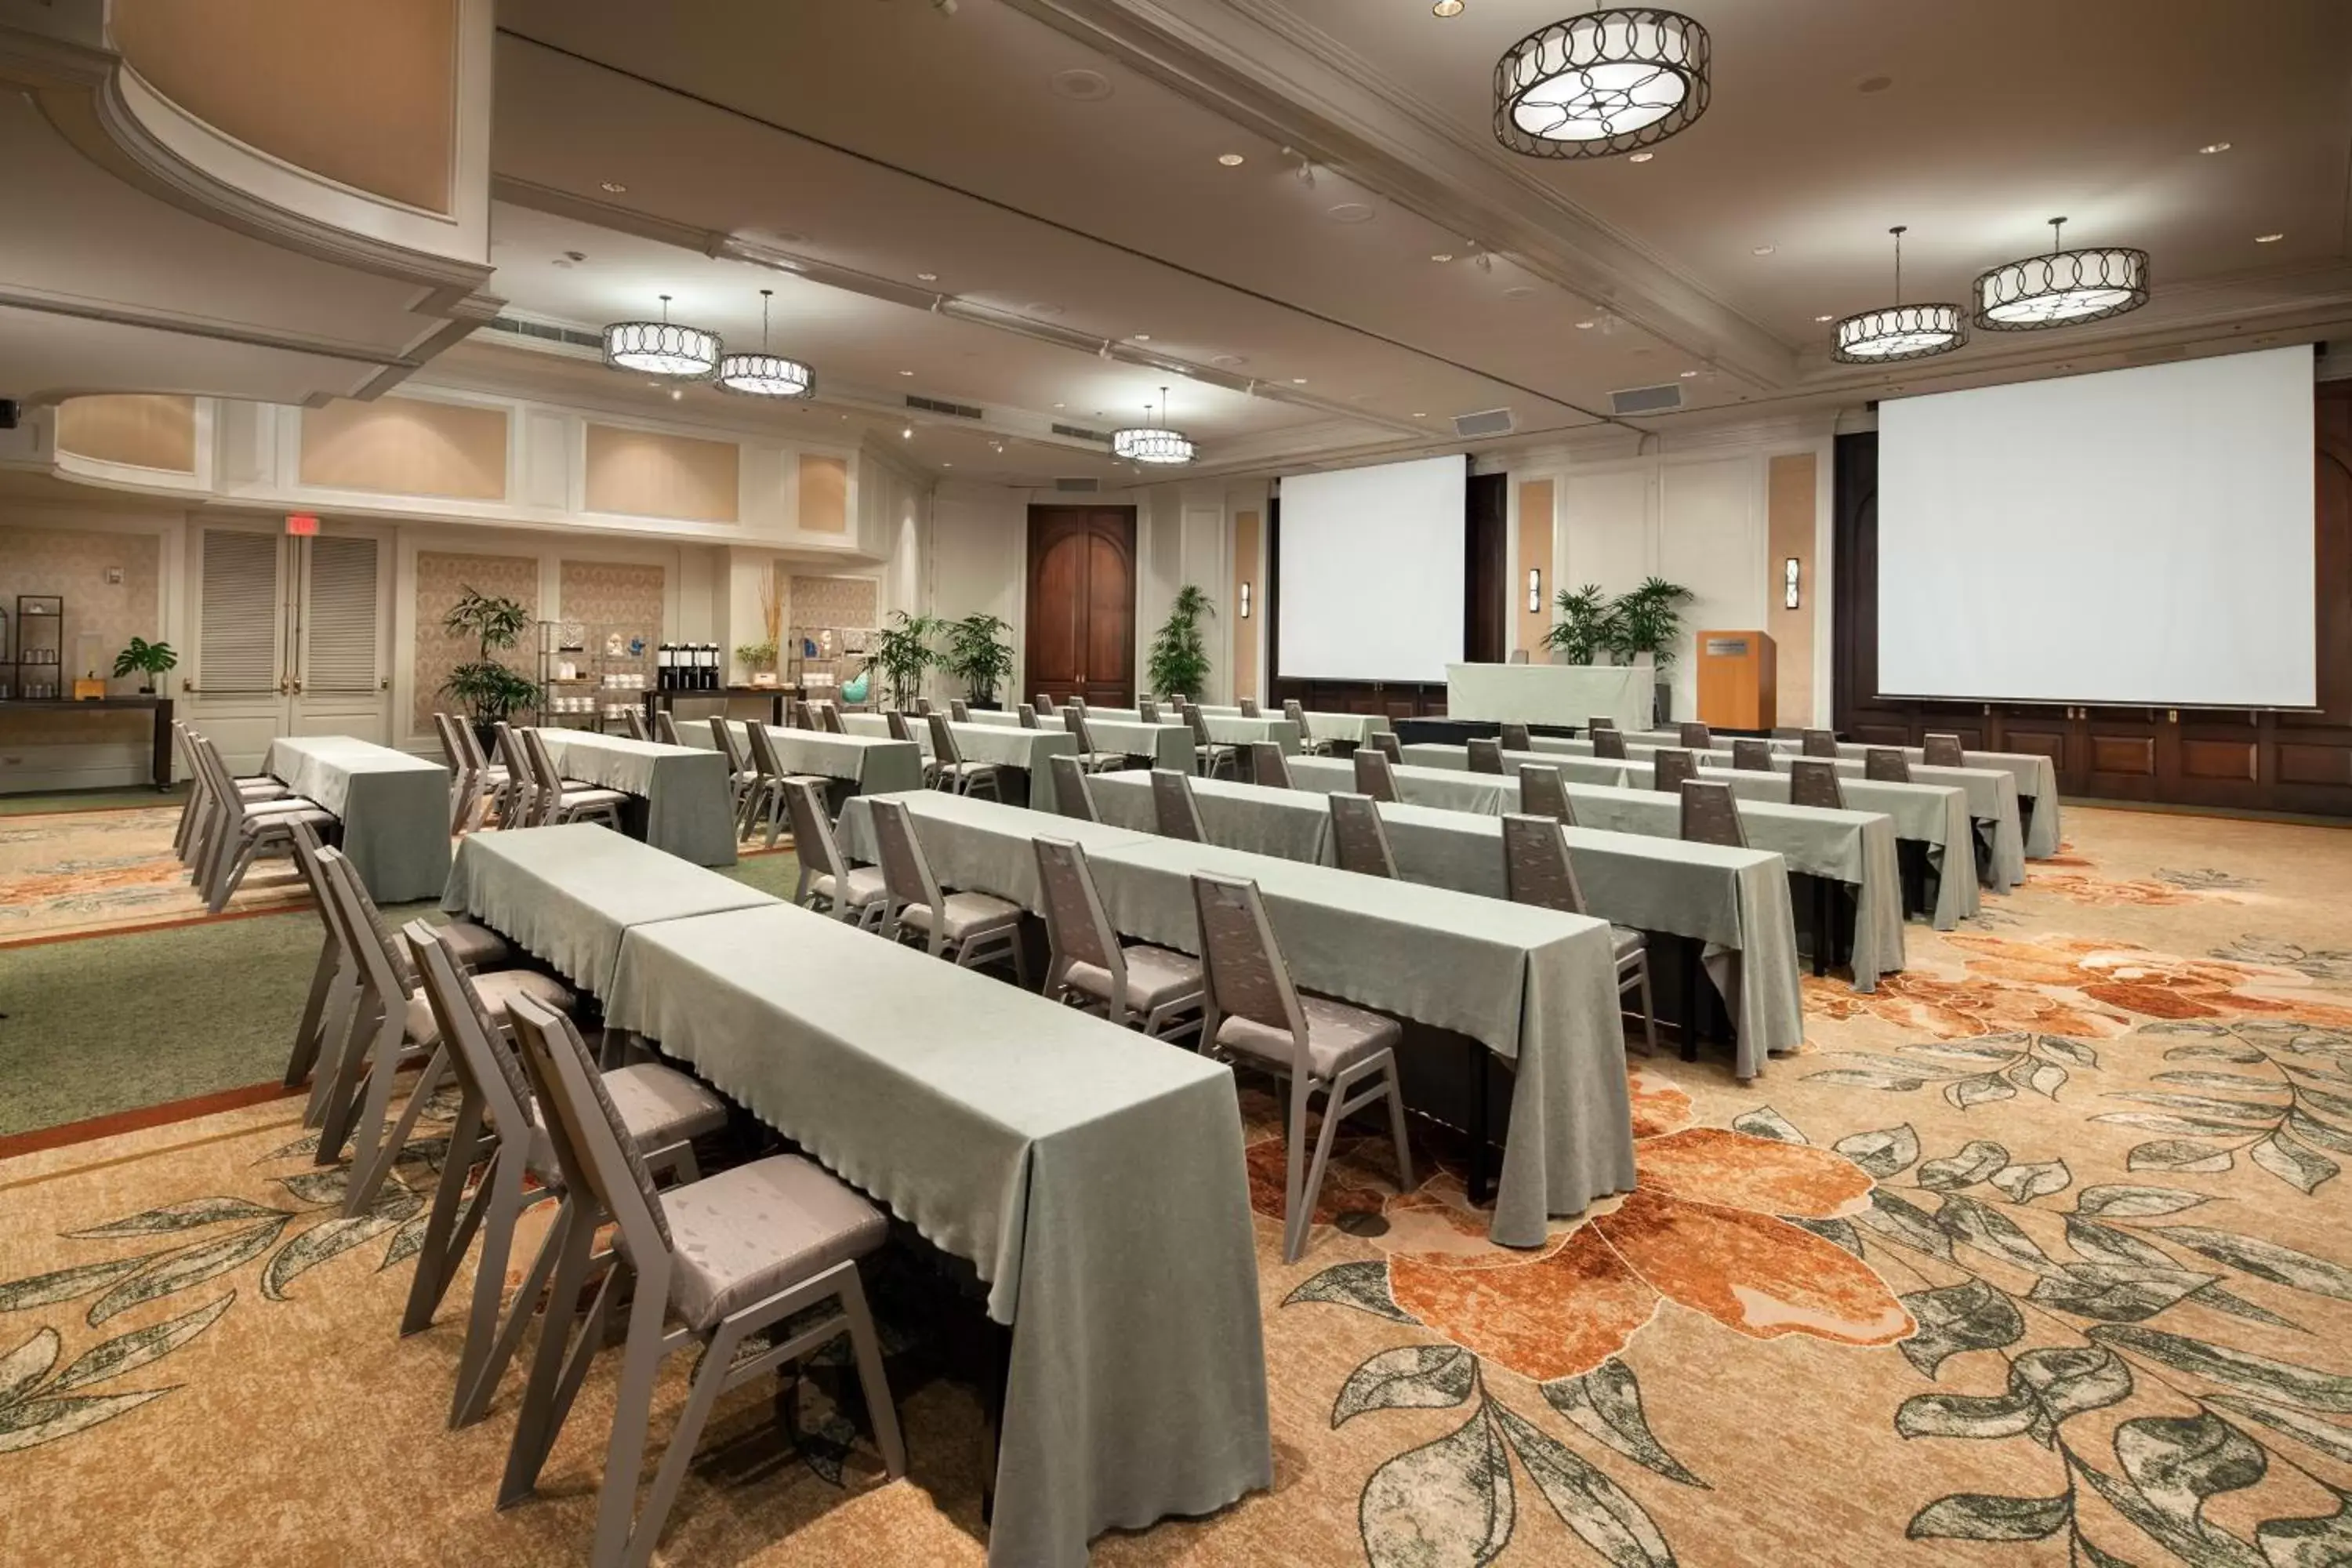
<point x="1232" y="160"/>
<point x="677" y="393"/>
<point x="905" y="373"/>
<point x="1825" y="318"/>
<point x="1762" y="250"/>
<point x="1061" y="406"/>
<point x="908" y="433"/>
<point x="1440" y="256"/>
<point x="927" y="276"/>
<point x="1228" y="361"/>
<point x="2214" y="147"/>
<point x="947" y="464"/>
<point x="1586" y="326"/>
<point x="1688" y="374"/>
<point x="1085" y="86"/>
<point x="1446" y="8"/>
<point x="1639" y="157"/>
<point x="1299" y="381"/>
<point x="1421" y="417"/>
<point x="615" y="188"/>
<point x="1350" y="212"/>
<point x="1143" y="336"/>
<point x="2268" y="238"/>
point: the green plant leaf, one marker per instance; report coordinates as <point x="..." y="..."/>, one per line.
<point x="1970" y="1316"/>
<point x="2106" y="1244"/>
<point x="2023" y="1184"/>
<point x="2291" y="1162"/>
<point x="1445" y="1503"/>
<point x="1985" y="1088"/>
<point x="2179" y="1461"/>
<point x="1603" y="1515"/>
<point x="190" y="1266"/>
<point x="127" y="1352"/>
<point x="2044" y="1079"/>
<point x="25" y="1365"/>
<point x="1410" y="1377"/>
<point x="2306" y="1388"/>
<point x="1965" y="1415"/>
<point x="1973" y="1164"/>
<point x="2179" y="1154"/>
<point x="1606" y="1403"/>
<point x="1981" y="1515"/>
<point x="1883" y="1154"/>
<point x="1766" y="1122"/>
<point x="2115" y="1293"/>
<point x="2113" y="1202"/>
<point x="332" y="1238"/>
<point x="2179" y="1126"/>
<point x="187" y="1216"/>
<point x="2321" y="1542"/>
<point x="66" y="1284"/>
<point x="2207" y="1105"/>
<point x="2064" y="1049"/>
<point x="1868" y="1077"/>
<point x="1899" y="1219"/>
<point x="1364" y="1286"/>
<point x="1987" y="1227"/>
<point x="1838" y="1232"/>
<point x="2066" y="1380"/>
<point x="39" y="1421"/>
<point x="2334" y="1441"/>
<point x="2265" y="1259"/>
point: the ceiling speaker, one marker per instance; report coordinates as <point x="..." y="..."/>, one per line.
<point x="1647" y="399"/>
<point x="1493" y="422"/>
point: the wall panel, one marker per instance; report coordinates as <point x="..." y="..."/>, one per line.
<point x="141" y="430"/>
<point x="823" y="494"/>
<point x="1789" y="490"/>
<point x="405" y="445"/>
<point x="644" y="473"/>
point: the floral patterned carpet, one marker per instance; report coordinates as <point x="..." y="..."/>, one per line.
<point x="2038" y="1255"/>
<point x="76" y="872"/>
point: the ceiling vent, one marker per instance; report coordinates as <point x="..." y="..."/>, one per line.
<point x="1080" y="433"/>
<point x="1070" y="487"/>
<point x="1647" y="399"/>
<point x="1493" y="422"/>
<point x="544" y="333"/>
<point x="954" y="410"/>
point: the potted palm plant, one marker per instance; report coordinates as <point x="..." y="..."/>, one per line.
<point x="1179" y="661"/>
<point x="1650" y="629"/>
<point x="979" y="656"/>
<point x="490" y="689"/>
<point x="147" y="658"/>
<point x="1587" y="626"/>
<point x="900" y="653"/>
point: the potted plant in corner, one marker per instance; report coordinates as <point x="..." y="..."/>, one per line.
<point x="1587" y="626"/>
<point x="979" y="656"/>
<point x="149" y="660"/>
<point x="900" y="652"/>
<point x="491" y="690"/>
<point x="1649" y="630"/>
<point x="1179" y="661"/>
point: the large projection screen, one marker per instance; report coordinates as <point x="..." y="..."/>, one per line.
<point x="2136" y="536"/>
<point x="1372" y="571"/>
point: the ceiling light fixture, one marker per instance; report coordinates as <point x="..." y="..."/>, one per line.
<point x="1825" y="318"/>
<point x="1762" y="250"/>
<point x="764" y="374"/>
<point x="1440" y="256"/>
<point x="1688" y="374"/>
<point x="1143" y="336"/>
<point x="1609" y="81"/>
<point x="1232" y="160"/>
<point x="1899" y="331"/>
<point x="1446" y="8"/>
<point x="906" y="434"/>
<point x="2268" y="238"/>
<point x="1299" y="381"/>
<point x="661" y="348"/>
<point x="2064" y="289"/>
<point x="615" y="187"/>
<point x="1155" y="442"/>
<point x="927" y="276"/>
<point x="1586" y="326"/>
<point x="2211" y="147"/>
<point x="1639" y="157"/>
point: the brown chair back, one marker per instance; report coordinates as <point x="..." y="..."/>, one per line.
<point x="1485" y="756"/>
<point x="1390" y="746"/>
<point x="1812" y="782"/>
<point x="1267" y="764"/>
<point x="1885" y="764"/>
<point x="1543" y="791"/>
<point x="1535" y="867"/>
<point x="1943" y="752"/>
<point x="1608" y="744"/>
<point x="1821" y="744"/>
<point x="1711" y="815"/>
<point x="1373" y="776"/>
<point x="1242" y="969"/>
<point x="1359" y="842"/>
<point x="1028" y="715"/>
<point x="1670" y="766"/>
<point x="1072" y="796"/>
<point x="1752" y="756"/>
<point x="1250" y="710"/>
<point x="1173" y="807"/>
<point x="1515" y="738"/>
<point x="1697" y="738"/>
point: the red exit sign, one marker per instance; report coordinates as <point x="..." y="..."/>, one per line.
<point x="302" y="523"/>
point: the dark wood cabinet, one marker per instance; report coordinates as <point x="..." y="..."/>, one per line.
<point x="1081" y="633"/>
<point x="2249" y="759"/>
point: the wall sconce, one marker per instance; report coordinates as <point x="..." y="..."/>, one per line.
<point x="1245" y="601"/>
<point x="1789" y="570"/>
<point x="1535" y="590"/>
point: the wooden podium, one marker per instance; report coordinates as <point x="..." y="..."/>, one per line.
<point x="1737" y="676"/>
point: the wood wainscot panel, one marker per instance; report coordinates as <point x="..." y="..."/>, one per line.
<point x="2129" y="757"/>
<point x="2307" y="762"/>
<point x="1880" y="732"/>
<point x="2230" y="760"/>
<point x="2041" y="738"/>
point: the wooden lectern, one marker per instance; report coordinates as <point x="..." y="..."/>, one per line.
<point x="1736" y="674"/>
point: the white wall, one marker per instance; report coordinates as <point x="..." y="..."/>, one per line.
<point x="979" y="561"/>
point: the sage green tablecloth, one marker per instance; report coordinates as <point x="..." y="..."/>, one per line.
<point x="1160" y="745"/>
<point x="1991" y="794"/>
<point x="1735" y="901"/>
<point x="2036" y="777"/>
<point x="1093" y="1178"/>
<point x="1574" y="769"/>
<point x="874" y="766"/>
<point x="689" y="801"/>
<point x="568" y="894"/>
<point x="1538" y="988"/>
<point x="1224" y="729"/>
<point x="394" y="808"/>
<point x="1936" y="816"/>
<point x="1450" y="788"/>
<point x="1356" y="729"/>
<point x="1002" y="746"/>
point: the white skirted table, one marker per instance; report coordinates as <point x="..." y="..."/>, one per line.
<point x="868" y="765"/>
<point x="394" y="808"/>
<point x="1564" y="694"/>
<point x="1155" y="745"/>
<point x="681" y="799"/>
<point x="1013" y="748"/>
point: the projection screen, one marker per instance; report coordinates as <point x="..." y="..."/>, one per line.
<point x="1372" y="571"/>
<point x="2135" y="536"/>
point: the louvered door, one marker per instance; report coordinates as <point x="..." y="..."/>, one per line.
<point x="290" y="639"/>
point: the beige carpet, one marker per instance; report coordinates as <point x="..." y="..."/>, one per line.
<point x="73" y="873"/>
<point x="2039" y="1255"/>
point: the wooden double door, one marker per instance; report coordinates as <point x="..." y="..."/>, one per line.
<point x="1081" y="634"/>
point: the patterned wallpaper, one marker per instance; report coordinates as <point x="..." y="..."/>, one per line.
<point x="614" y="596"/>
<point x="440" y="576"/>
<point x="821" y="602"/>
<point x="74" y="563"/>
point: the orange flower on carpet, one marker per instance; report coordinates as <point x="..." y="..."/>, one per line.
<point x="1702" y="1229"/>
<point x="1954" y="1009"/>
<point x="2152" y="985"/>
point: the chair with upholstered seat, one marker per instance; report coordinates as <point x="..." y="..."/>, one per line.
<point x="1608" y="746"/>
<point x="828" y="719"/>
<point x="1089" y="759"/>
<point x="951" y="772"/>
<point x="1812" y="782"/>
<point x="1144" y="987"/>
<point x="1543" y="791"/>
<point x="569" y="800"/>
<point x="1752" y="756"/>
<point x="1255" y="1013"/>
<point x="741" y="777"/>
<point x="1208" y="755"/>
<point x="923" y="707"/>
<point x="966" y="928"/>
<point x="902" y="728"/>
<point x="829" y="884"/>
<point x="1537" y="870"/>
<point x="742" y="1262"/>
<point x="1669" y="766"/>
<point x="1885" y="764"/>
<point x="1073" y="796"/>
<point x="1174" y="809"/>
<point x="244" y="830"/>
<point x="1043" y="704"/>
<point x="1386" y="743"/>
<point x="1696" y="737"/>
<point x="1711" y="815"/>
<point x="765" y="798"/>
<point x="1359" y="842"/>
<point x="1942" y="751"/>
<point x="1485" y="755"/>
<point x="798" y="715"/>
<point x="197" y="813"/>
<point x="663" y="1109"/>
<point x="1515" y="738"/>
<point x="1268" y="767"/>
<point x="1296" y="711"/>
<point x="1821" y="743"/>
<point x="1374" y="775"/>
